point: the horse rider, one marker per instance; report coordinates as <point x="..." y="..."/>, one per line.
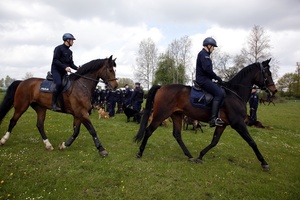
<point x="204" y="76"/>
<point x="61" y="64"/>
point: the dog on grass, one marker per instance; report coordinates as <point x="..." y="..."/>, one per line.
<point x="256" y="124"/>
<point x="102" y="113"/>
<point x="189" y="121"/>
<point x="129" y="112"/>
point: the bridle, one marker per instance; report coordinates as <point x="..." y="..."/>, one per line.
<point x="264" y="83"/>
<point x="102" y="80"/>
<point x="265" y="79"/>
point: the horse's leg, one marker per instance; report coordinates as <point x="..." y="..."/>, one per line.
<point x="217" y="135"/>
<point x="20" y="108"/>
<point x="243" y="131"/>
<point x="87" y="123"/>
<point x="177" y="126"/>
<point x="148" y="132"/>
<point x="76" y="126"/>
<point x="41" y="114"/>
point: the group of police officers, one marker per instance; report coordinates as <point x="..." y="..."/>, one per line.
<point x="109" y="99"/>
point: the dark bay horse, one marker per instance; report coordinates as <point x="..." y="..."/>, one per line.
<point x="76" y="100"/>
<point x="174" y="100"/>
<point x="270" y="100"/>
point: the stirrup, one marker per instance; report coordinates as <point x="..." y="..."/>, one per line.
<point x="55" y="108"/>
<point x="216" y="122"/>
<point x="219" y="122"/>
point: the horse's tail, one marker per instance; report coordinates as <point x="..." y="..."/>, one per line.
<point x="8" y="100"/>
<point x="147" y="112"/>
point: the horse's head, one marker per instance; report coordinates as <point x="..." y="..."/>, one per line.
<point x="108" y="74"/>
<point x="266" y="80"/>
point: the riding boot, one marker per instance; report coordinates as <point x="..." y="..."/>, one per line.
<point x="54" y="101"/>
<point x="214" y="120"/>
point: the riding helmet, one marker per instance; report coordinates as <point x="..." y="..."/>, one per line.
<point x="68" y="36"/>
<point x="210" y="41"/>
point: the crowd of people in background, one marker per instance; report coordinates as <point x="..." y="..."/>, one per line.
<point x="114" y="101"/>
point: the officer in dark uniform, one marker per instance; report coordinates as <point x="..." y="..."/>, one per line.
<point x="137" y="97"/>
<point x="253" y="101"/>
<point x="61" y="64"/>
<point x="127" y="95"/>
<point x="111" y="98"/>
<point x="119" y="95"/>
<point x="102" y="98"/>
<point x="204" y="76"/>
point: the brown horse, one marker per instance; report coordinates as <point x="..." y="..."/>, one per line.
<point x="174" y="100"/>
<point x="76" y="100"/>
<point x="270" y="100"/>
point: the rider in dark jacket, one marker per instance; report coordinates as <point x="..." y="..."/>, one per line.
<point x="204" y="76"/>
<point x="61" y="64"/>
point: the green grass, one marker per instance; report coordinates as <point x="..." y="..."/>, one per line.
<point x="230" y="170"/>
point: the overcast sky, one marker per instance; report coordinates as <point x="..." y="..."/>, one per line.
<point x="31" y="29"/>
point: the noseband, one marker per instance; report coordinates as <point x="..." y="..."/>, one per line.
<point x="265" y="79"/>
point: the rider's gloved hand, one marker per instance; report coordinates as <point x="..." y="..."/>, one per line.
<point x="218" y="79"/>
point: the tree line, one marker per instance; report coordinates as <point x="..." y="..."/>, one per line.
<point x="174" y="65"/>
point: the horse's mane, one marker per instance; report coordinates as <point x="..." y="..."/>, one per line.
<point x="243" y="73"/>
<point x="91" y="66"/>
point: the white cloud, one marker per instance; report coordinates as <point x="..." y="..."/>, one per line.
<point x="30" y="30"/>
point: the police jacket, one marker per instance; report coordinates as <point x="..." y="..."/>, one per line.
<point x="62" y="58"/>
<point x="204" y="67"/>
<point x="137" y="95"/>
<point x="253" y="101"/>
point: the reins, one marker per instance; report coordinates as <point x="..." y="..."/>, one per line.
<point x="233" y="92"/>
<point x="85" y="77"/>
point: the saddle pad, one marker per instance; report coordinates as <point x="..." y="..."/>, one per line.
<point x="49" y="86"/>
<point x="200" y="99"/>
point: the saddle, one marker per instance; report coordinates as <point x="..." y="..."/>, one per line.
<point x="199" y="97"/>
<point x="49" y="86"/>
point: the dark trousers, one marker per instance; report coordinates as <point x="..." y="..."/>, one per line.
<point x="214" y="89"/>
<point x="57" y="79"/>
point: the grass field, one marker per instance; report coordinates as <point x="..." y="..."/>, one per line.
<point x="229" y="171"/>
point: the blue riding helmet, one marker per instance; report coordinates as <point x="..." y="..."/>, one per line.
<point x="68" y="36"/>
<point x="210" y="41"/>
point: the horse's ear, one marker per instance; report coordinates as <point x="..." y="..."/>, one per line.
<point x="266" y="62"/>
<point x="110" y="58"/>
<point x="115" y="59"/>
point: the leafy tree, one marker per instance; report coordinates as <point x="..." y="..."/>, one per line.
<point x="146" y="62"/>
<point x="258" y="49"/>
<point x="257" y="46"/>
<point x="28" y="75"/>
<point x="164" y="72"/>
<point x="2" y="82"/>
<point x="180" y="51"/>
<point x="8" y="81"/>
<point x="289" y="84"/>
<point x="123" y="81"/>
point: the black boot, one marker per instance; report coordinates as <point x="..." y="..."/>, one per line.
<point x="54" y="101"/>
<point x="214" y="120"/>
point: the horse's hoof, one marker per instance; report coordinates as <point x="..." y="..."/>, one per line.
<point x="103" y="153"/>
<point x="191" y="160"/>
<point x="266" y="168"/>
<point x="49" y="148"/>
<point x="138" y="155"/>
<point x="62" y="146"/>
<point x="199" y="161"/>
